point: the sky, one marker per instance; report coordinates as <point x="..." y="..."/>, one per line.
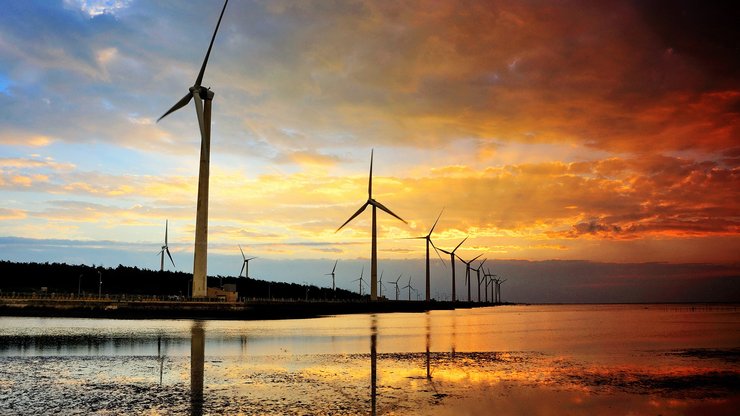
<point x="589" y="150"/>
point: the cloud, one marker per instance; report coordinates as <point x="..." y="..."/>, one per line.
<point x="12" y="214"/>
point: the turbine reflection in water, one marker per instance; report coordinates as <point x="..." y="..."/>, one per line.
<point x="373" y="362"/>
<point x="197" y="353"/>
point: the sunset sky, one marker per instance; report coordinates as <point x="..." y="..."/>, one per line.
<point x="604" y="134"/>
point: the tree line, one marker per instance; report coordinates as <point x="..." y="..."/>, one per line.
<point x="64" y="278"/>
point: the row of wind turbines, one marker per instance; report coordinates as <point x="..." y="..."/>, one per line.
<point x="203" y="99"/>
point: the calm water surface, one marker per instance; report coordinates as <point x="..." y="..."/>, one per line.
<point x="536" y="360"/>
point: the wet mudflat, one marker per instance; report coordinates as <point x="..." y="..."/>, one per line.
<point x="654" y="360"/>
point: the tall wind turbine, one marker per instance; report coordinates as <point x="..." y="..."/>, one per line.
<point x="467" y="271"/>
<point x="165" y="249"/>
<point x="245" y="265"/>
<point x="428" y="239"/>
<point x="374" y="243"/>
<point x="333" y="284"/>
<point x="200" y="94"/>
<point x="452" y="263"/>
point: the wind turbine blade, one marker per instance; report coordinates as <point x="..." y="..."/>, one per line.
<point x="436" y="221"/>
<point x="362" y="272"/>
<point x="251" y="258"/>
<point x="201" y="116"/>
<point x="240" y="249"/>
<point x="481" y="264"/>
<point x="165" y="231"/>
<point x="359" y="211"/>
<point x="458" y="246"/>
<point x="335" y="266"/>
<point x="180" y="104"/>
<point x="476" y="257"/>
<point x="205" y="61"/>
<point x="381" y="206"/>
<point x="243" y="266"/>
<point x="370" y="181"/>
<point x="399" y="278"/>
<point x="170" y="256"/>
<point x="437" y="251"/>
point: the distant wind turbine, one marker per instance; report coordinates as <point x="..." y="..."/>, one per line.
<point x="492" y="281"/>
<point x="467" y="271"/>
<point x="380" y="284"/>
<point x="200" y="93"/>
<point x="360" y="279"/>
<point x="165" y="249"/>
<point x="245" y="265"/>
<point x="333" y="284"/>
<point x="374" y="242"/>
<point x="428" y="239"/>
<point x="452" y="264"/>
<point x="398" y="291"/>
<point x="409" y="287"/>
<point x="498" y="289"/>
<point x="477" y="271"/>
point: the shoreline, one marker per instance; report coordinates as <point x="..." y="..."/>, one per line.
<point x="250" y="310"/>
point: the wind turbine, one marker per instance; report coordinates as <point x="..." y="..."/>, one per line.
<point x="409" y="287"/>
<point x="203" y="112"/>
<point x="333" y="285"/>
<point x="398" y="291"/>
<point x="492" y="280"/>
<point x="380" y="285"/>
<point x="165" y="249"/>
<point x="428" y="239"/>
<point x="467" y="271"/>
<point x="245" y="265"/>
<point x="360" y="279"/>
<point x="374" y="242"/>
<point x="477" y="271"/>
<point x="452" y="263"/>
<point x="498" y="289"/>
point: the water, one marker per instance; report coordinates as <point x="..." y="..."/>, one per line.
<point x="534" y="360"/>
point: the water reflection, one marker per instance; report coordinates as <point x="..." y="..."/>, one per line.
<point x="429" y="340"/>
<point x="197" y="355"/>
<point x="575" y="360"/>
<point x="373" y="362"/>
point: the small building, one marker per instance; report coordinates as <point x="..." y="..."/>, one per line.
<point x="227" y="294"/>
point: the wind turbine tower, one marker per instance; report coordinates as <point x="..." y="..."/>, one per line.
<point x="203" y="112"/>
<point x="374" y="243"/>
